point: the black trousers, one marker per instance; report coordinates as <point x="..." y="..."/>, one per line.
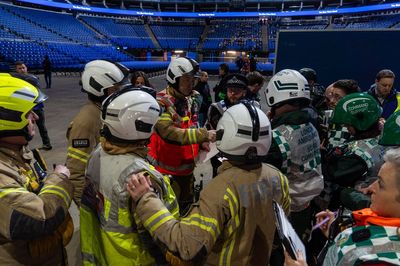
<point x="42" y="127"/>
<point x="47" y="78"/>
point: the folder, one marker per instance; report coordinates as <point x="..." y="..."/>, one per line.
<point x="290" y="240"/>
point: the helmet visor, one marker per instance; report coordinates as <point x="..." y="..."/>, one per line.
<point x="41" y="97"/>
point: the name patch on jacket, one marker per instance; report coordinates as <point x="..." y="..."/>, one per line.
<point x="80" y="143"/>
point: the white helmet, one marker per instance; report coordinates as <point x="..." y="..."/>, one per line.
<point x="244" y="133"/>
<point x="180" y="66"/>
<point x="129" y="115"/>
<point x="100" y="75"/>
<point x="286" y="85"/>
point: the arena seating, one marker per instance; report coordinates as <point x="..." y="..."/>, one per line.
<point x="234" y="35"/>
<point x="369" y="22"/>
<point x="122" y="32"/>
<point x="71" y="40"/>
<point x="177" y="36"/>
<point x="29" y="35"/>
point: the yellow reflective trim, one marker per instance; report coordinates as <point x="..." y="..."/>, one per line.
<point x="55" y="192"/>
<point x="157" y="219"/>
<point x="398" y="102"/>
<point x="175" y="212"/>
<point x="194" y="135"/>
<point x="185" y="118"/>
<point x="204" y="218"/>
<point x="285" y="191"/>
<point x="201" y="226"/>
<point x="76" y="157"/>
<point x="236" y="206"/>
<point x="154" y="216"/>
<point x="231" y="209"/>
<point x="107" y="207"/>
<point x="159" y="223"/>
<point x="84" y="154"/>
<point x="105" y="247"/>
<point x="68" y="196"/>
<point x="164" y="119"/>
<point x="203" y="223"/>
<point x="189" y="133"/>
<point x="124" y="217"/>
<point x="230" y="250"/>
<point x="226" y="254"/>
<point x="4" y="192"/>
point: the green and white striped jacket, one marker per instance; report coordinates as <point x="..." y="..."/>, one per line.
<point x="365" y="244"/>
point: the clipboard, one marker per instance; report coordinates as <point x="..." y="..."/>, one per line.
<point x="290" y="240"/>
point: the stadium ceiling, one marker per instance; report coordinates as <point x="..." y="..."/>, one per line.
<point x="151" y="13"/>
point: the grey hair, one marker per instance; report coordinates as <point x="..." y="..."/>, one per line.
<point x="393" y="156"/>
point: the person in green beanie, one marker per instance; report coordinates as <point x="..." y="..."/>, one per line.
<point x="354" y="164"/>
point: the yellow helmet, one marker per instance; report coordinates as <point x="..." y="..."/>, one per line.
<point x="17" y="99"/>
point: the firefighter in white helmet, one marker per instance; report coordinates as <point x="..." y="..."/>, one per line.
<point x="295" y="145"/>
<point x="228" y="223"/>
<point x="110" y="233"/>
<point x="176" y="140"/>
<point x="100" y="78"/>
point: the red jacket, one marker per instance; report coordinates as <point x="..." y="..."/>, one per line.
<point x="175" y="143"/>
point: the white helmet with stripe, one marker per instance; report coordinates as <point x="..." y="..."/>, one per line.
<point x="100" y="75"/>
<point x="129" y="115"/>
<point x="286" y="85"/>
<point x="244" y="133"/>
<point x="181" y="66"/>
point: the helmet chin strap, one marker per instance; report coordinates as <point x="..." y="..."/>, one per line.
<point x="15" y="133"/>
<point x="26" y="134"/>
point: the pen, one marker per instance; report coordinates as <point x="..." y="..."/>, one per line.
<point x="324" y="221"/>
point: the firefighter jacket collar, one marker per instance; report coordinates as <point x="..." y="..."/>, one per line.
<point x="368" y="217"/>
<point x="97" y="104"/>
<point x="21" y="156"/>
<point x="177" y="95"/>
<point x="242" y="165"/>
<point x="139" y="149"/>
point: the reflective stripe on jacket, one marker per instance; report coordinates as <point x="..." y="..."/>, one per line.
<point x="231" y="224"/>
<point x="83" y="135"/>
<point x="110" y="234"/>
<point x="33" y="211"/>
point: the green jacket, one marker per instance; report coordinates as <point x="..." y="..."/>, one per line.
<point x="295" y="151"/>
<point x="274" y="155"/>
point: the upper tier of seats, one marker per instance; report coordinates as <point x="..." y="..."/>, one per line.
<point x="30" y="34"/>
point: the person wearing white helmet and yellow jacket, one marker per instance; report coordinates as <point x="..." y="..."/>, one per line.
<point x="100" y="79"/>
<point x="110" y="232"/>
<point x="232" y="223"/>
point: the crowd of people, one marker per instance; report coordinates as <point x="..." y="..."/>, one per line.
<point x="330" y="158"/>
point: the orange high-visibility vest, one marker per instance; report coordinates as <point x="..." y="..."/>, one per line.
<point x="368" y="217"/>
<point x="171" y="158"/>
